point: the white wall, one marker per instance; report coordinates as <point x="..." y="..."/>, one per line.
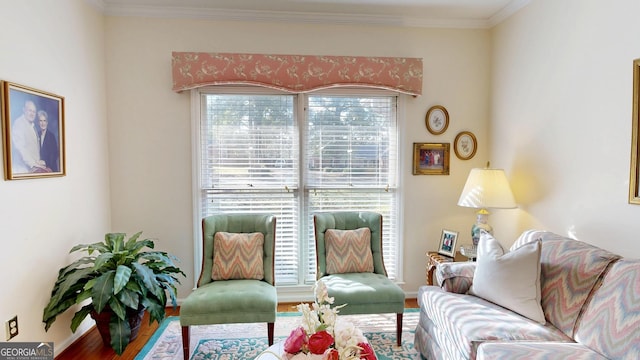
<point x="550" y="89"/>
<point x="561" y="119"/>
<point x="58" y="47"/>
<point x="150" y="135"/>
<point x="552" y="86"/>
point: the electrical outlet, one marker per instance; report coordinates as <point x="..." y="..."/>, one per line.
<point x="12" y="327"/>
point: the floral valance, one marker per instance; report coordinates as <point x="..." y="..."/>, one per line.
<point x="296" y="73"/>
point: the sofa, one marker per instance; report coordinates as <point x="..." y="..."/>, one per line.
<point x="583" y="303"/>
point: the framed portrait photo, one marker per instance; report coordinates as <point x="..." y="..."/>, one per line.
<point x="448" y="241"/>
<point x="33" y="132"/>
<point x="634" y="176"/>
<point x="430" y="158"/>
<point x="437" y="120"/>
<point x="465" y="145"/>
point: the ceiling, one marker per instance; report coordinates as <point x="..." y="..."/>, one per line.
<point x="418" y="13"/>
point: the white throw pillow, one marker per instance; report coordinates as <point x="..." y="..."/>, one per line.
<point x="512" y="279"/>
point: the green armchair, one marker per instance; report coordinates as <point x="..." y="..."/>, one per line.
<point x="363" y="292"/>
<point x="225" y="301"/>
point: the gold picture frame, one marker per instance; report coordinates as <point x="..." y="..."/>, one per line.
<point x="431" y="158"/>
<point x="33" y="132"/>
<point x="634" y="176"/>
<point x="437" y="120"/>
<point x="465" y="145"/>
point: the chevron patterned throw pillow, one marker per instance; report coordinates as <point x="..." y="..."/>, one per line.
<point x="348" y="251"/>
<point x="237" y="256"/>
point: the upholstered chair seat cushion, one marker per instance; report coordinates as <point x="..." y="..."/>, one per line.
<point x="365" y="293"/>
<point x="231" y="301"/>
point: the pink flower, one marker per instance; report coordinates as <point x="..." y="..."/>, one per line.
<point x="320" y="342"/>
<point x="296" y="340"/>
<point x="366" y="352"/>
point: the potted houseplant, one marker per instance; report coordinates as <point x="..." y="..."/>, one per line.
<point x="122" y="279"/>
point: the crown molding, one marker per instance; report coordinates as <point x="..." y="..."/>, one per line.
<point x="285" y="17"/>
<point x="98" y="4"/>
<point x="303" y="17"/>
<point x="513" y="7"/>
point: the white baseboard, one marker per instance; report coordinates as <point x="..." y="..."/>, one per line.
<point x="84" y="327"/>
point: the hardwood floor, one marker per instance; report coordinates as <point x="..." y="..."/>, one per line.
<point x="90" y="347"/>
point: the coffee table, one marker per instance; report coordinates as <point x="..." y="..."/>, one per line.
<point x="273" y="352"/>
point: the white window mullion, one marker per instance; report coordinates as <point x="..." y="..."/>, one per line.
<point x="307" y="264"/>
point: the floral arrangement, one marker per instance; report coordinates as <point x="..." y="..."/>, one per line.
<point x="323" y="336"/>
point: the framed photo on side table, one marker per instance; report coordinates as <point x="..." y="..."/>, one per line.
<point x="33" y="132"/>
<point x="437" y="120"/>
<point x="465" y="145"/>
<point x="430" y="158"/>
<point x="448" y="243"/>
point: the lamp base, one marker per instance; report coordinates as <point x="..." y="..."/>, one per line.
<point x="481" y="224"/>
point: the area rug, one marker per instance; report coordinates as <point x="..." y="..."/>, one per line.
<point x="247" y="341"/>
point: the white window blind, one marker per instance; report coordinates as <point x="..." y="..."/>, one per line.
<point x="351" y="158"/>
<point x="251" y="151"/>
<point x="250" y="164"/>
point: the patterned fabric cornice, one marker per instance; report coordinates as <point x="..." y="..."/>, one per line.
<point x="296" y="73"/>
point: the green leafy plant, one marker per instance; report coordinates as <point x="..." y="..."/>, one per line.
<point x="120" y="277"/>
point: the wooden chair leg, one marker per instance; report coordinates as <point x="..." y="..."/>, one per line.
<point x="185" y="342"/>
<point x="270" y="330"/>
<point x="399" y="329"/>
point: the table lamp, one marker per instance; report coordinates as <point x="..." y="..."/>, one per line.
<point x="486" y="189"/>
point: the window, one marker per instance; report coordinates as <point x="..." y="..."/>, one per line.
<point x="294" y="155"/>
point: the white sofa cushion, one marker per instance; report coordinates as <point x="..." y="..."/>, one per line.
<point x="512" y="279"/>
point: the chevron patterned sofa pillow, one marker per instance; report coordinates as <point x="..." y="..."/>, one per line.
<point x="610" y="321"/>
<point x="237" y="256"/>
<point x="348" y="251"/>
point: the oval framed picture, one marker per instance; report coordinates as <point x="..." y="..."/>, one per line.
<point x="437" y="120"/>
<point x="465" y="145"/>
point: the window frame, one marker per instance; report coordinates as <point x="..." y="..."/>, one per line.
<point x="300" y="291"/>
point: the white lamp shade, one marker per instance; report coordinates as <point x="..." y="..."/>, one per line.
<point x="486" y="189"/>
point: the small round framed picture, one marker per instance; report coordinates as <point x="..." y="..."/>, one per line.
<point x="465" y="145"/>
<point x="437" y="120"/>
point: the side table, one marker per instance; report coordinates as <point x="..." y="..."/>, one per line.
<point x="434" y="259"/>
